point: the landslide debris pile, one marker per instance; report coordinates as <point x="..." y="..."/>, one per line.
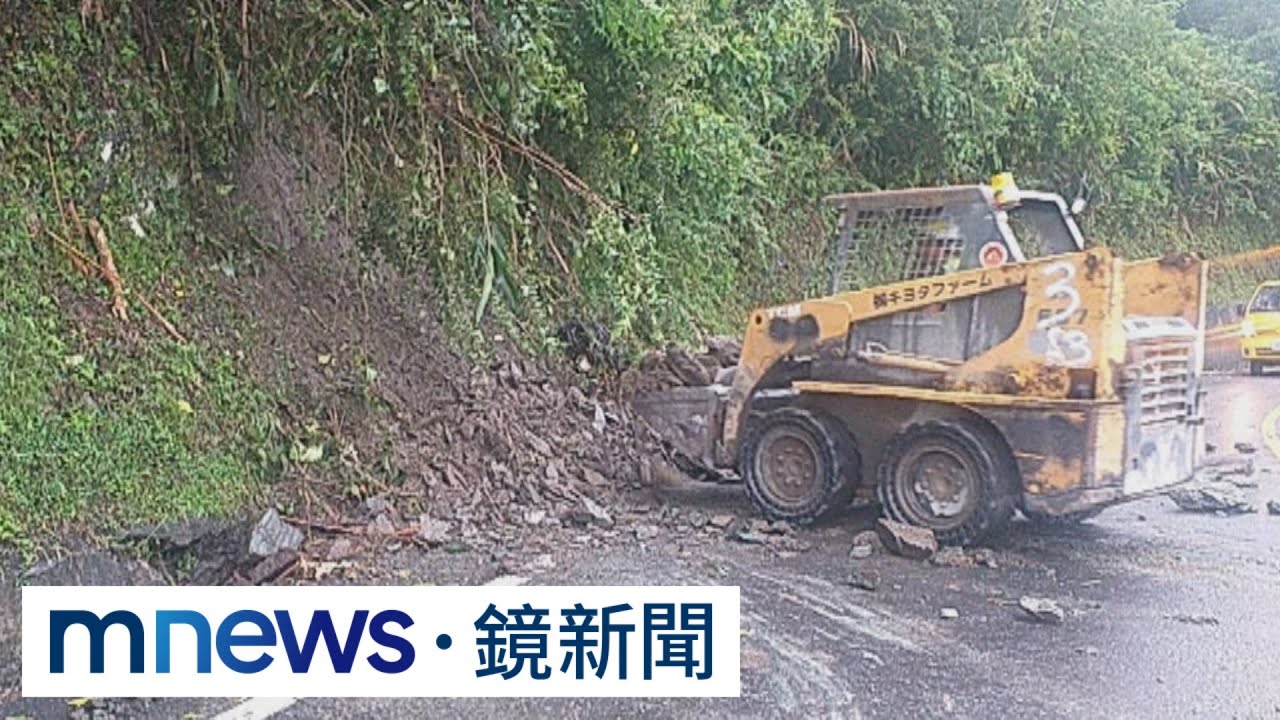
<point x="676" y="366"/>
<point x="396" y="430"/>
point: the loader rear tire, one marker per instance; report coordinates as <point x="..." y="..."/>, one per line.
<point x="799" y="465"/>
<point x="953" y="478"/>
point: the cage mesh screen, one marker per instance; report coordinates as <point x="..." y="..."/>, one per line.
<point x="887" y="246"/>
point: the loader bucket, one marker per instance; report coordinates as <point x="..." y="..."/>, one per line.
<point x="689" y="419"/>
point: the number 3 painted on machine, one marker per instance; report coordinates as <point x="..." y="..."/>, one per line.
<point x="1068" y="348"/>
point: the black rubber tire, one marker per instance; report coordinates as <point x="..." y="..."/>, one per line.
<point x="832" y="451"/>
<point x="993" y="480"/>
<point x="1255" y="368"/>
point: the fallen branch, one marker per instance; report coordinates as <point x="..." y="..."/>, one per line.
<point x="119" y="306"/>
<point x="164" y="322"/>
<point x="406" y="534"/>
<point x="78" y="256"/>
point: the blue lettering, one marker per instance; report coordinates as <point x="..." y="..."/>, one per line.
<point x="165" y="620"/>
<point x="60" y="620"/>
<point x="343" y="657"/>
<point x="228" y="641"/>
<point x="379" y="634"/>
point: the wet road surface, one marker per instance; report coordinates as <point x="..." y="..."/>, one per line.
<point x="1169" y="614"/>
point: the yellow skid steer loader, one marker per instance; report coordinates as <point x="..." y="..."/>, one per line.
<point x="1004" y="365"/>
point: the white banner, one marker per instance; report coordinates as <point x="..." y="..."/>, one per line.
<point x="380" y="641"/>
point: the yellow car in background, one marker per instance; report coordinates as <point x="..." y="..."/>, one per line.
<point x="1260" y="329"/>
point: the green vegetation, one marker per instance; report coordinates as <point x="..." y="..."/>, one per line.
<point x="100" y="424"/>
<point x="652" y="165"/>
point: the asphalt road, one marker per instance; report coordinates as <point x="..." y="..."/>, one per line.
<point x="1169" y="614"/>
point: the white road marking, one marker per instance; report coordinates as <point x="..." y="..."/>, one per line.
<point x="257" y="709"/>
<point x="262" y="708"/>
<point x="1271" y="431"/>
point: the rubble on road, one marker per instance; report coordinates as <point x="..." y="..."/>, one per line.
<point x="953" y="557"/>
<point x="592" y="512"/>
<point x="434" y="531"/>
<point x="948" y="613"/>
<point x="1273" y="507"/>
<point x="1212" y="497"/>
<point x="861" y="552"/>
<point x="272" y="534"/>
<point x="986" y="558"/>
<point x="864" y="579"/>
<point x="340" y="550"/>
<point x="1042" y="610"/>
<point x="909" y="541"/>
<point x="723" y="521"/>
<point x="273" y="567"/>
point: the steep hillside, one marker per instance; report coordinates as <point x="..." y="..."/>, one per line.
<point x="356" y="222"/>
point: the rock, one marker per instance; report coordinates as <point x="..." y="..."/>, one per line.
<point x="1217" y="497"/>
<point x="698" y="520"/>
<point x="748" y="536"/>
<point x="593" y="478"/>
<point x="866" y="539"/>
<point x="272" y="534"/>
<point x="1273" y="507"/>
<point x="341" y="549"/>
<point x="1087" y="650"/>
<point x="540" y="446"/>
<point x="778" y="527"/>
<point x="1245" y="448"/>
<point x="951" y="557"/>
<point x="273" y="566"/>
<point x="861" y="552"/>
<point x="590" y="513"/>
<point x="726" y="350"/>
<point x="911" y="542"/>
<point x="872" y="658"/>
<point x="864" y="579"/>
<point x="985" y="557"/>
<point x="598" y="420"/>
<point x="535" y="516"/>
<point x="1210" y="448"/>
<point x="948" y="613"/>
<point x="434" y="531"/>
<point x="1042" y="610"/>
<point x="382" y="525"/>
<point x="686" y="368"/>
<point x="722" y="521"/>
<point x="377" y="505"/>
<point x="645" y="533"/>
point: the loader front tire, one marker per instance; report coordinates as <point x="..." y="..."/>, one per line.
<point x="953" y="478"/>
<point x="797" y="465"/>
